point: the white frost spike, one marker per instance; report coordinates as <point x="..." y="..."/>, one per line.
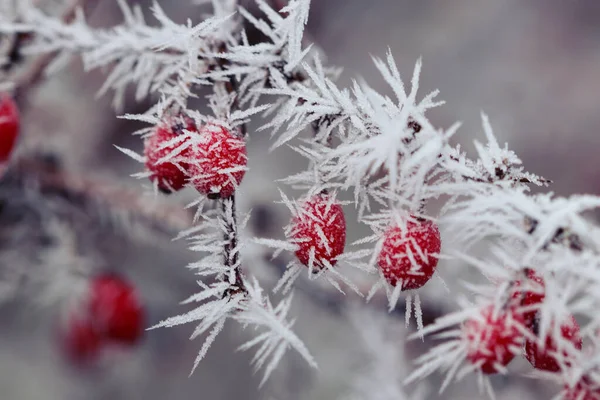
<point x="211" y="314"/>
<point x="131" y="154"/>
<point x="259" y="312"/>
<point x="136" y="52"/>
<point x="489" y="133"/>
<point x="299" y="10"/>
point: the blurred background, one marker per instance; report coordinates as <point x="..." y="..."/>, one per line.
<point x="532" y="66"/>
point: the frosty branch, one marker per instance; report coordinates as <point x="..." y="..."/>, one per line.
<point x="47" y="176"/>
<point x="542" y="254"/>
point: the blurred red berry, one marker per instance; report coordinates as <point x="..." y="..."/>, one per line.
<point x="82" y="342"/>
<point x="584" y="390"/>
<point x="408" y="254"/>
<point x="493" y="338"/>
<point x="220" y="162"/>
<point x="320" y="225"/>
<point x="116" y="310"/>
<point x="545" y="358"/>
<point x="580" y="394"/>
<point x="9" y="126"/>
<point x="169" y="175"/>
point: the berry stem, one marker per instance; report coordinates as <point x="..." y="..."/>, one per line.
<point x="231" y="256"/>
<point x="230" y="252"/>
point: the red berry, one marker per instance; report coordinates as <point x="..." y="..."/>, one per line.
<point x="82" y="342"/>
<point x="320" y="225"/>
<point x="9" y="126"/>
<point x="579" y="393"/>
<point x="545" y="358"/>
<point x="116" y="310"/>
<point x="408" y="253"/>
<point x="531" y="297"/>
<point x="170" y="175"/>
<point x="584" y="390"/>
<point x="220" y="162"/>
<point x="493" y="338"/>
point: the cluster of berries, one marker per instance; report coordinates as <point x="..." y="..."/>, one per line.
<point x="213" y="160"/>
<point x="496" y="336"/>
<point x="408" y="256"/>
<point x="112" y="314"/>
<point x="209" y="157"/>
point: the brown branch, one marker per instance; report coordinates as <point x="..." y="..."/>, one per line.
<point x="92" y="193"/>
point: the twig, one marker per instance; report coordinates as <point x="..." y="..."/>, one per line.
<point x="231" y="254"/>
<point x="84" y="191"/>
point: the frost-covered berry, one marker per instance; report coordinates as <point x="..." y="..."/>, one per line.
<point x="532" y="297"/>
<point x="168" y="140"/>
<point x="580" y="394"/>
<point x="408" y="254"/>
<point x="82" y="342"/>
<point x="116" y="310"/>
<point x="319" y="227"/>
<point x="545" y="357"/>
<point x="219" y="162"/>
<point x="584" y="390"/>
<point x="493" y="338"/>
<point x="9" y="126"/>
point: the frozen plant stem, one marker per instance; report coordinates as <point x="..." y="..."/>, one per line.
<point x="52" y="181"/>
<point x="231" y="254"/>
